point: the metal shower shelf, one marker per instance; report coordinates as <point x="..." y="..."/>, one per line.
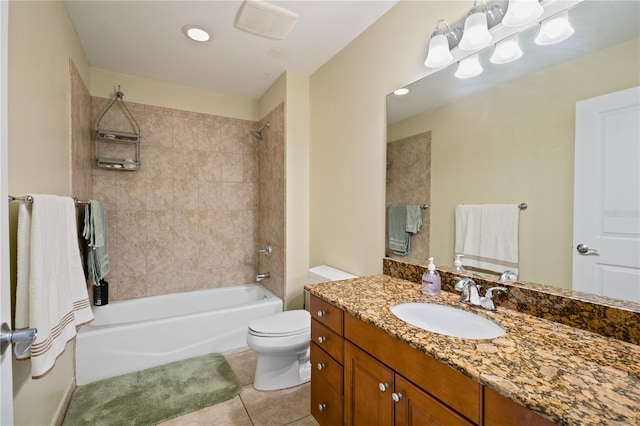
<point x="118" y="137"/>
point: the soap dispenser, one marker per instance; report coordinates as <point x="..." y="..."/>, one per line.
<point x="457" y="265"/>
<point x="431" y="280"/>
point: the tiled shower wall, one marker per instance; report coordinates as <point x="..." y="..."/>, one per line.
<point x="187" y="219"/>
<point x="409" y="182"/>
<point x="271" y="200"/>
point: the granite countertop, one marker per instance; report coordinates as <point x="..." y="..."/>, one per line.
<point x="571" y="376"/>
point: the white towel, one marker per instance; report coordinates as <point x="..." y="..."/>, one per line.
<point x="487" y="235"/>
<point x="51" y="292"/>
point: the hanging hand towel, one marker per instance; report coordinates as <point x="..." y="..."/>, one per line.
<point x="51" y="292"/>
<point x="95" y="232"/>
<point x="414" y="218"/>
<point x="399" y="238"/>
<point x="487" y="235"/>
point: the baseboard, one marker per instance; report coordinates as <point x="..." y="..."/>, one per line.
<point x="64" y="403"/>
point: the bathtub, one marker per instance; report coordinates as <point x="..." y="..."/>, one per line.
<point x="132" y="335"/>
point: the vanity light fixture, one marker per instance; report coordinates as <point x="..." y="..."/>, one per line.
<point x="476" y="33"/>
<point x="522" y="12"/>
<point x="197" y="33"/>
<point x="439" y="54"/>
<point x="401" y="91"/>
<point x="507" y="50"/>
<point x="469" y="67"/>
<point x="555" y="29"/>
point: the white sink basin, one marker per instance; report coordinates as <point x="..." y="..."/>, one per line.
<point x="447" y="320"/>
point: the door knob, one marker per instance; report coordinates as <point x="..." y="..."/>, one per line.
<point x="22" y="338"/>
<point x="584" y="249"/>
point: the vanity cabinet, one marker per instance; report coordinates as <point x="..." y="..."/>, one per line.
<point x="362" y="375"/>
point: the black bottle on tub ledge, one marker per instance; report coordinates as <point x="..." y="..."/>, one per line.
<point x="101" y="293"/>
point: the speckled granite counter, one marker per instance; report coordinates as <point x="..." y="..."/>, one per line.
<point x="569" y="375"/>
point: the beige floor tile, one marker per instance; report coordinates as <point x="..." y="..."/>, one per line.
<point x="307" y="421"/>
<point x="231" y="412"/>
<point x="277" y="408"/>
<point x="243" y="364"/>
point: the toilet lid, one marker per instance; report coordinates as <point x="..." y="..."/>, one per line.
<point x="285" y="323"/>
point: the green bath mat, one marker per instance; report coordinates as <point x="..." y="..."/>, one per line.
<point x="154" y="395"/>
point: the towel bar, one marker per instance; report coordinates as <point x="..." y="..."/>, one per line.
<point x="29" y="199"/>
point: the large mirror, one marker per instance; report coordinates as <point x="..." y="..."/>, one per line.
<point x="507" y="135"/>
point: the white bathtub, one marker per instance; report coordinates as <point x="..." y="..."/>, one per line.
<point x="132" y="335"/>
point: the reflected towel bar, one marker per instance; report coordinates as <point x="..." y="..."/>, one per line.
<point x="422" y="206"/>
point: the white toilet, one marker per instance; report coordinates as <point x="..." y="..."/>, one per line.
<point x="282" y="341"/>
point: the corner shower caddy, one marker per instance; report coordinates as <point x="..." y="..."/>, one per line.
<point x="118" y="137"/>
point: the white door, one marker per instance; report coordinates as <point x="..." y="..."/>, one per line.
<point x="6" y="391"/>
<point x="606" y="226"/>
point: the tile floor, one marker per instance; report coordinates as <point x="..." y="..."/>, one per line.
<point x="286" y="407"/>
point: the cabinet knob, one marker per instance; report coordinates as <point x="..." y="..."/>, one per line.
<point x="322" y="407"/>
<point x="321" y="366"/>
<point x="396" y="397"/>
<point x="383" y="386"/>
<point x="321" y="313"/>
<point x="322" y="339"/>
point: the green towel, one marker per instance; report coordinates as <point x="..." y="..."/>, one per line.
<point x="414" y="218"/>
<point x="96" y="233"/>
<point x="399" y="238"/>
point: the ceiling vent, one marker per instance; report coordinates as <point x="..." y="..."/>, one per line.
<point x="264" y="19"/>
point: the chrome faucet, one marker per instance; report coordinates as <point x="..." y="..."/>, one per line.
<point x="471" y="294"/>
<point x="487" y="301"/>
<point x="507" y="276"/>
<point x="263" y="276"/>
<point x="470" y="291"/>
<point x="267" y="251"/>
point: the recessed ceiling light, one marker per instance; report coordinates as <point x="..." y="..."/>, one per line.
<point x="197" y="33"/>
<point x="400" y="92"/>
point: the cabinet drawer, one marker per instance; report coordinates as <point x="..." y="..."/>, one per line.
<point x="326" y="367"/>
<point x="327" y="314"/>
<point x="326" y="339"/>
<point x="326" y="404"/>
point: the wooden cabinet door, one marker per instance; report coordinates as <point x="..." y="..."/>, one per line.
<point x="368" y="385"/>
<point x="416" y="408"/>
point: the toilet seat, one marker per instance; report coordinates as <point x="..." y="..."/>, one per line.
<point x="282" y="324"/>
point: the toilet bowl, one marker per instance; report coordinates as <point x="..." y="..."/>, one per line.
<point x="282" y="343"/>
<point x="282" y="340"/>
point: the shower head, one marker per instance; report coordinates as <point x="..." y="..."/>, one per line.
<point x="258" y="133"/>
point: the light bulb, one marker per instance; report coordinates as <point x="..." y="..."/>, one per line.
<point x="555" y="29"/>
<point x="469" y="67"/>
<point x="522" y="12"/>
<point x="476" y="32"/>
<point x="439" y="54"/>
<point x="507" y="50"/>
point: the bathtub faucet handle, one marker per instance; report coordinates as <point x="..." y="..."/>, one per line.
<point x="267" y="251"/>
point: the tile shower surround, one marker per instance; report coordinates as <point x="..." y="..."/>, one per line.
<point x="188" y="218"/>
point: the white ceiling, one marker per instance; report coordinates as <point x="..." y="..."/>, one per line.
<point x="144" y="38"/>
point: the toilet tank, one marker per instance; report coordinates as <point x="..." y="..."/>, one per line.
<point x="322" y="274"/>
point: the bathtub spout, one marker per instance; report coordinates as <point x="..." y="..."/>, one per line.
<point x="263" y="276"/>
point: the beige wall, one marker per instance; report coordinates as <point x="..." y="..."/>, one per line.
<point x="41" y="41"/>
<point x="297" y="193"/>
<point x="169" y="95"/>
<point x="348" y="133"/>
<point x="516" y="144"/>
